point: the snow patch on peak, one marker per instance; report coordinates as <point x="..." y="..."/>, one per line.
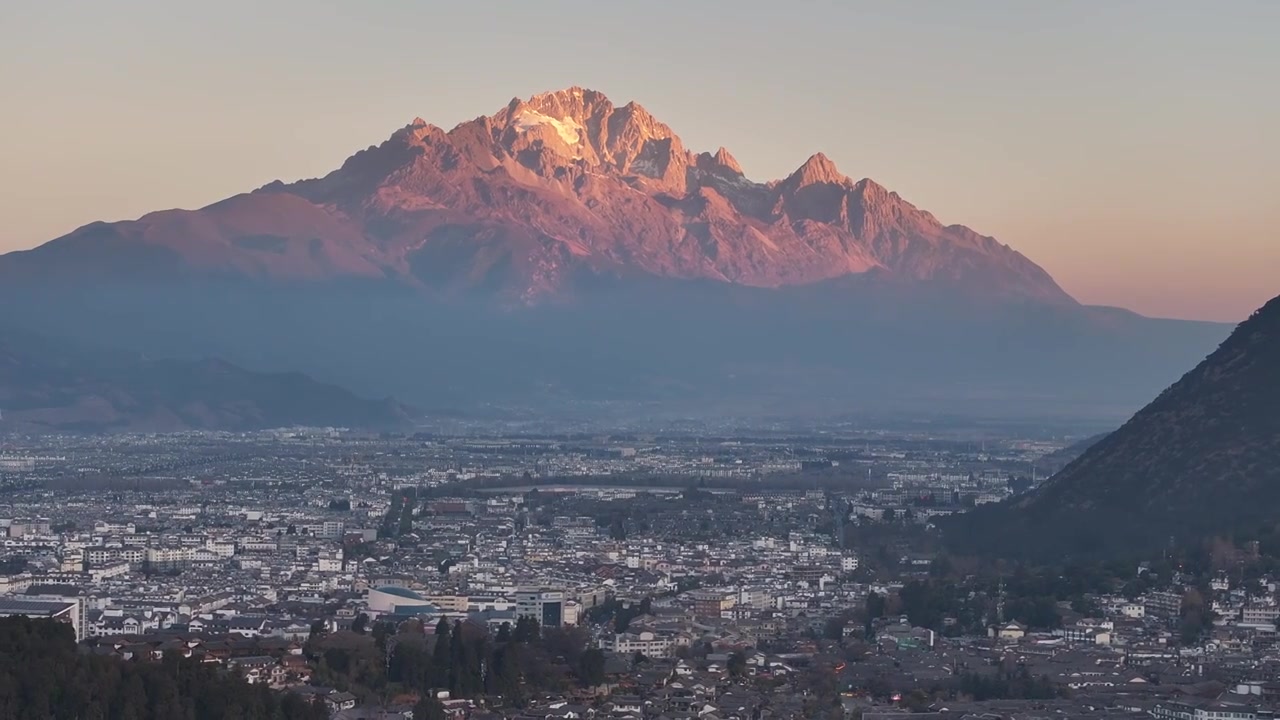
<point x="644" y="166"/>
<point x="569" y="130"/>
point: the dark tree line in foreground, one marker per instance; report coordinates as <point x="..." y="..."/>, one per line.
<point x="462" y="658"/>
<point x="43" y="676"/>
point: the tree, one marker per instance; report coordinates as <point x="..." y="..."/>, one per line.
<point x="409" y="662"/>
<point x="591" y="667"/>
<point x="623" y="615"/>
<point x="834" y="628"/>
<point x="360" y="624"/>
<point x="381" y="631"/>
<point x="42" y="675"/>
<point x="319" y="629"/>
<point x="442" y="656"/>
<point x="1087" y="607"/>
<point x="875" y="607"/>
<point x="506" y="674"/>
<point x="1196" y="618"/>
<point x="924" y="603"/>
<point x="465" y="663"/>
<point x="917" y="701"/>
<point x="406" y="520"/>
<point x="617" y="531"/>
<point x="737" y="664"/>
<point x="567" y="642"/>
<point x="391" y="519"/>
<point x="428" y="708"/>
<point x="527" y="630"/>
<point x="1039" y="612"/>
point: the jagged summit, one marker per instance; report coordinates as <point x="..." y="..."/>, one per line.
<point x="817" y="170"/>
<point x="725" y="160"/>
<point x="721" y="165"/>
<point x="587" y="108"/>
<point x="574" y="102"/>
<point x="565" y="185"/>
<point x="551" y="132"/>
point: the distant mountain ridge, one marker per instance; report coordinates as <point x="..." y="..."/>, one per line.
<point x="1202" y="459"/>
<point x="566" y="250"/>
<point x="50" y="386"/>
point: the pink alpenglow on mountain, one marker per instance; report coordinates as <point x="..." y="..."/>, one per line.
<point x="566" y="253"/>
<point x="525" y="201"/>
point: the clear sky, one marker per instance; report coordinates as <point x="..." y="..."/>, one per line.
<point x="1130" y="147"/>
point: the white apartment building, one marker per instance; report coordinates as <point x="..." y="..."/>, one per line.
<point x="645" y="642"/>
<point x="1259" y="614"/>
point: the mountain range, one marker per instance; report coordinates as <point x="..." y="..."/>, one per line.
<point x="1202" y="460"/>
<point x="53" y="386"/>
<point x="567" y="253"/>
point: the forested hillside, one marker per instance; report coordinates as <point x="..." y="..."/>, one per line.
<point x="43" y="676"/>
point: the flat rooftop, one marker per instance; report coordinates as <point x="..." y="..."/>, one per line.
<point x="33" y="608"/>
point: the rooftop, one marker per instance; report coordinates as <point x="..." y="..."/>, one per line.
<point x="33" y="608"/>
<point x="400" y="592"/>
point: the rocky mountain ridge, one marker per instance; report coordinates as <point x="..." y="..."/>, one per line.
<point x="527" y="201"/>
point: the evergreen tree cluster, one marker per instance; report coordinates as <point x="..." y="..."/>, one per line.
<point x="399" y="518"/>
<point x="42" y="676"/>
<point x="461" y="658"/>
<point x="622" y="613"/>
<point x="1018" y="684"/>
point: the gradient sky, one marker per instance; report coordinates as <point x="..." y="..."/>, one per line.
<point x="1132" y="148"/>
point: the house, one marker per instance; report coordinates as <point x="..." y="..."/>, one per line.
<point x="627" y="704"/>
<point x="339" y="701"/>
<point x="255" y="669"/>
<point x="1133" y="610"/>
<point x="568" y="712"/>
<point x="1011" y="631"/>
<point x="248" y="626"/>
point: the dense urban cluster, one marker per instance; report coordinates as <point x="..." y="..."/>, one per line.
<point x="621" y="577"/>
